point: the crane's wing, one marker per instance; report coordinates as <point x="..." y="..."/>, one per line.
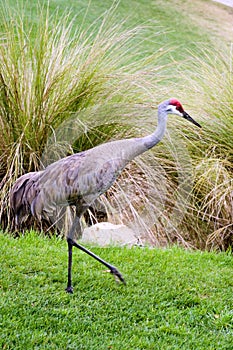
<point x="74" y="180"/>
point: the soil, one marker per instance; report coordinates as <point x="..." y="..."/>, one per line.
<point x="213" y="17"/>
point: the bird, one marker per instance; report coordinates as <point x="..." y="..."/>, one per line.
<point x="79" y="179"/>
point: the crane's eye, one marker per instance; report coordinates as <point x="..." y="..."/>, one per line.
<point x="171" y="108"/>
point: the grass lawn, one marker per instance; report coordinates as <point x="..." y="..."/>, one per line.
<point x="169" y="18"/>
<point x="174" y="299"/>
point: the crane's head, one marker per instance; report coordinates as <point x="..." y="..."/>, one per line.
<point x="175" y="107"/>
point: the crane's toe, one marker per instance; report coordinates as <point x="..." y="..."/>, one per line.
<point x="117" y="275"/>
<point x="69" y="290"/>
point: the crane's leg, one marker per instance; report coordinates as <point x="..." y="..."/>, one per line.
<point x="112" y="269"/>
<point x="69" y="287"/>
<point x="76" y="228"/>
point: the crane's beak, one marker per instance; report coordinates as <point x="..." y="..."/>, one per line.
<point x="187" y="117"/>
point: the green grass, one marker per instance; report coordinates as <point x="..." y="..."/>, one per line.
<point x="174" y="299"/>
<point x="176" y="29"/>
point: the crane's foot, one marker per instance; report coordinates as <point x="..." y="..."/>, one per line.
<point x="69" y="290"/>
<point x="117" y="275"/>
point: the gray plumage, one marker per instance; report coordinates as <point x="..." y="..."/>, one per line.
<point x="79" y="179"/>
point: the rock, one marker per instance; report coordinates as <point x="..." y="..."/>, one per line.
<point x="105" y="233"/>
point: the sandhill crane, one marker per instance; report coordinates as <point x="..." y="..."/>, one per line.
<point x="79" y="179"/>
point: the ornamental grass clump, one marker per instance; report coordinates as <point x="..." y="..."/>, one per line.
<point x="65" y="88"/>
<point x="212" y="96"/>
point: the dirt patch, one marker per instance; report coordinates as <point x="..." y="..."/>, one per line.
<point x="215" y="18"/>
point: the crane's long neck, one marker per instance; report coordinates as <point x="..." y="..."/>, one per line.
<point x="154" y="138"/>
<point x="123" y="151"/>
